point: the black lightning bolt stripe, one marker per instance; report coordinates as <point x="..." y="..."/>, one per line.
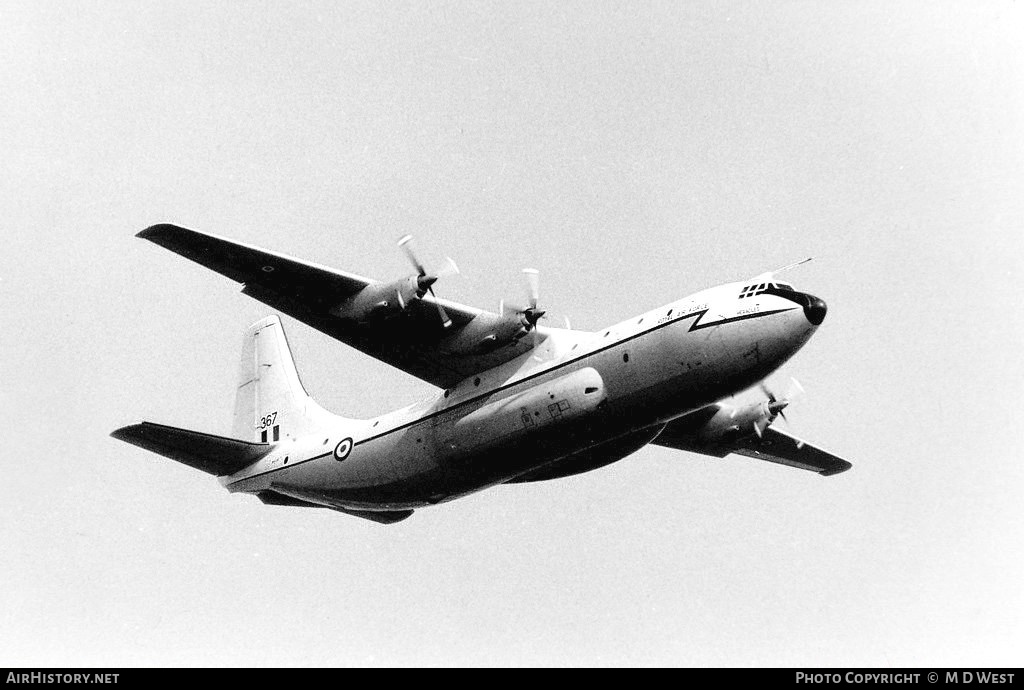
<point x="697" y="325"/>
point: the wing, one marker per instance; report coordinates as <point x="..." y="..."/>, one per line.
<point x="412" y="339"/>
<point x="773" y="446"/>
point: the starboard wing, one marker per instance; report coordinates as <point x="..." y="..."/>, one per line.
<point x="412" y="340"/>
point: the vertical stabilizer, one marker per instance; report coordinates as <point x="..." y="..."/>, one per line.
<point x="270" y="404"/>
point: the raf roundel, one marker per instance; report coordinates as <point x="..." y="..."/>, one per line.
<point x="343" y="448"/>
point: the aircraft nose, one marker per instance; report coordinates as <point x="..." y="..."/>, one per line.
<point x="815" y="309"/>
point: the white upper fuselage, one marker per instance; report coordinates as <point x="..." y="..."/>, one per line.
<point x="632" y="377"/>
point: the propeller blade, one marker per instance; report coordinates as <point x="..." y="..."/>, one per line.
<point x="449" y="269"/>
<point x="445" y="320"/>
<point x="777" y="406"/>
<point x="532" y="285"/>
<point x="407" y="246"/>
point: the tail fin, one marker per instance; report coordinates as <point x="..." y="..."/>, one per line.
<point x="271" y="404"/>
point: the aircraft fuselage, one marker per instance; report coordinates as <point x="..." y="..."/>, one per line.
<point x="577" y="401"/>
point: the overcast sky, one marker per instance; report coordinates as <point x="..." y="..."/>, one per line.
<point x="633" y="153"/>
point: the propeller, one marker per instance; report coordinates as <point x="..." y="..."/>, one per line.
<point x="425" y="281"/>
<point x="531" y="314"/>
<point x="777" y="406"/>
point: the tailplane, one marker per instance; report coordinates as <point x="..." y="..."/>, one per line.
<point x="270" y="403"/>
<point x="211" y="454"/>
<point x="270" y="406"/>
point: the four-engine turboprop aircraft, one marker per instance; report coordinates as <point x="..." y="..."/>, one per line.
<point x="520" y="402"/>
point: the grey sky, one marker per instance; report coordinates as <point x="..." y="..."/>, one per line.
<point x="634" y="153"/>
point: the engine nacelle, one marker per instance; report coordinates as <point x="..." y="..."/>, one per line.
<point x="486" y="333"/>
<point x="730" y="423"/>
<point x="381" y="300"/>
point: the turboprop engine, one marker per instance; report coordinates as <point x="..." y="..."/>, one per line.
<point x="380" y="300"/>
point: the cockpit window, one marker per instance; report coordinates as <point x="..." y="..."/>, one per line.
<point x="752" y="290"/>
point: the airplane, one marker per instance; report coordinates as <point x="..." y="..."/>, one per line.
<point x="518" y="401"/>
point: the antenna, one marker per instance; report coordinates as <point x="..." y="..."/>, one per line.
<point x="792" y="265"/>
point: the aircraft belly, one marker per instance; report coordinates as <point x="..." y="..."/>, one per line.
<point x="592" y="458"/>
<point x="506" y="437"/>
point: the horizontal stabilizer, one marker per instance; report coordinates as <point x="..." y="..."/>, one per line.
<point x="215" y="455"/>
